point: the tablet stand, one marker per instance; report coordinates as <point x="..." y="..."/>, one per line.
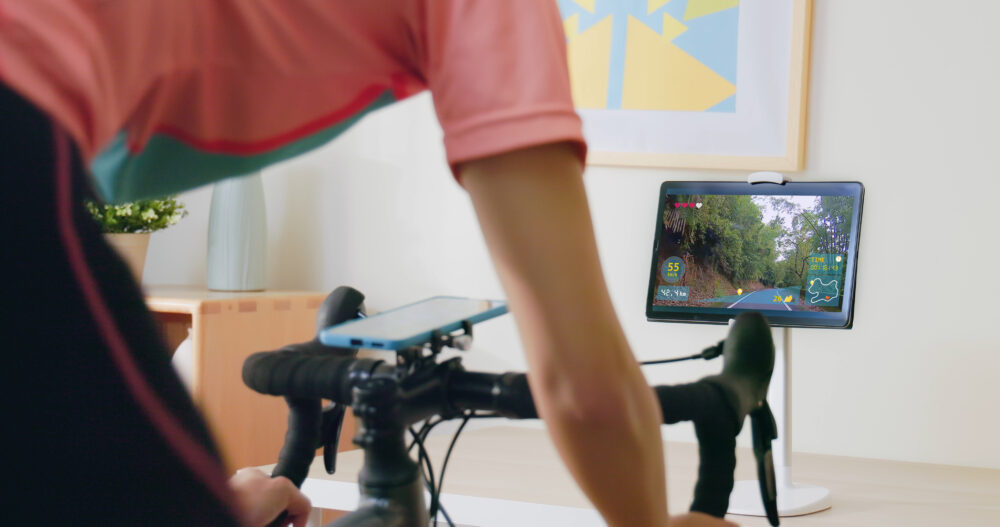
<point x="793" y="499"/>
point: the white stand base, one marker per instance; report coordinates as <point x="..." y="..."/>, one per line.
<point x="793" y="500"/>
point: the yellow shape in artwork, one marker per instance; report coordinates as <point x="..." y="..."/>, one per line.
<point x="571" y="26"/>
<point x="672" y="28"/>
<point x="697" y="8"/>
<point x="655" y="4"/>
<point x="661" y="76"/>
<point x="589" y="57"/>
<point x="586" y="4"/>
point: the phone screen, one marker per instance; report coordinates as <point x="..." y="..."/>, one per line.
<point x="411" y="325"/>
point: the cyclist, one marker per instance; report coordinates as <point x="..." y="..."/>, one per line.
<point x="146" y="98"/>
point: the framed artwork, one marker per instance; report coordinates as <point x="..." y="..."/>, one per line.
<point x="691" y="83"/>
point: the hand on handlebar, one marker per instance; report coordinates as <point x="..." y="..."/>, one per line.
<point x="262" y="498"/>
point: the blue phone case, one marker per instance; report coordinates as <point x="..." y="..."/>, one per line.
<point x="341" y="335"/>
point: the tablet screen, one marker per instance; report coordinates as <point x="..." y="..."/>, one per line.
<point x="788" y="251"/>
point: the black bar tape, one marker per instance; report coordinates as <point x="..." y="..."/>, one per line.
<point x="716" y="427"/>
<point x="301" y="440"/>
<point x="303" y="373"/>
<point x="507" y="394"/>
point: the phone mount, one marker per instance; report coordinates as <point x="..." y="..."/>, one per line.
<point x="408" y="361"/>
<point x="416" y="357"/>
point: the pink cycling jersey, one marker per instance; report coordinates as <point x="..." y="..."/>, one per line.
<point x="164" y="95"/>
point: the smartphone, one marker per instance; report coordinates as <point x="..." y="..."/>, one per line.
<point x="411" y="325"/>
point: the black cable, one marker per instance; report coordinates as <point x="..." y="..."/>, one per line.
<point x="422" y="458"/>
<point x="447" y="456"/>
<point x="708" y="353"/>
<point x="426" y="468"/>
<point x="666" y="361"/>
<point x="447" y="518"/>
<point x="419" y="434"/>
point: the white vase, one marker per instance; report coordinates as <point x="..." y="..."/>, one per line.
<point x="237" y="236"/>
<point x="131" y="246"/>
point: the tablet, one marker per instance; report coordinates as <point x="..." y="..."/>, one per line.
<point x="787" y="250"/>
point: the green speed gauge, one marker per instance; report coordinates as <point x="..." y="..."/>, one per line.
<point x="672" y="269"/>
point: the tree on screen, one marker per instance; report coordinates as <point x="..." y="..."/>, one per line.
<point x="729" y="235"/>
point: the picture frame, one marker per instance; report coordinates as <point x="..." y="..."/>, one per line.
<point x="737" y="98"/>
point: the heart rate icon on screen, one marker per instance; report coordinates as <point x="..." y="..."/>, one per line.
<point x="697" y="205"/>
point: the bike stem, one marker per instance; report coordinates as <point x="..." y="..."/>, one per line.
<point x="389" y="478"/>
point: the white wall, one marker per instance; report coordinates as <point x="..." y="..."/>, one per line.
<point x="904" y="98"/>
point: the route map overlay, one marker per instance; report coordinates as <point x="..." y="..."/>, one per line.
<point x="826" y="273"/>
<point x="818" y="288"/>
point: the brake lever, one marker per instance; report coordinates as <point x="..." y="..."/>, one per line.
<point x="332" y="424"/>
<point x="764" y="431"/>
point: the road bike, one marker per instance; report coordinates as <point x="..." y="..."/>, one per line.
<point x="390" y="399"/>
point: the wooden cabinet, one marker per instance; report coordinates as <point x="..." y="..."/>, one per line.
<point x="225" y="328"/>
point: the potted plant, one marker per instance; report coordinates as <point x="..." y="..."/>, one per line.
<point x="127" y="226"/>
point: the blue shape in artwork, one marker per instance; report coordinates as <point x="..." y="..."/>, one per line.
<point x="712" y="40"/>
<point x="676" y="8"/>
<point x="568" y="8"/>
<point x="728" y="105"/>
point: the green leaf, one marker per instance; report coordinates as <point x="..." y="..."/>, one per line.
<point x="127" y="217"/>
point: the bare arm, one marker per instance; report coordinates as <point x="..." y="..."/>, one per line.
<point x="601" y="414"/>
